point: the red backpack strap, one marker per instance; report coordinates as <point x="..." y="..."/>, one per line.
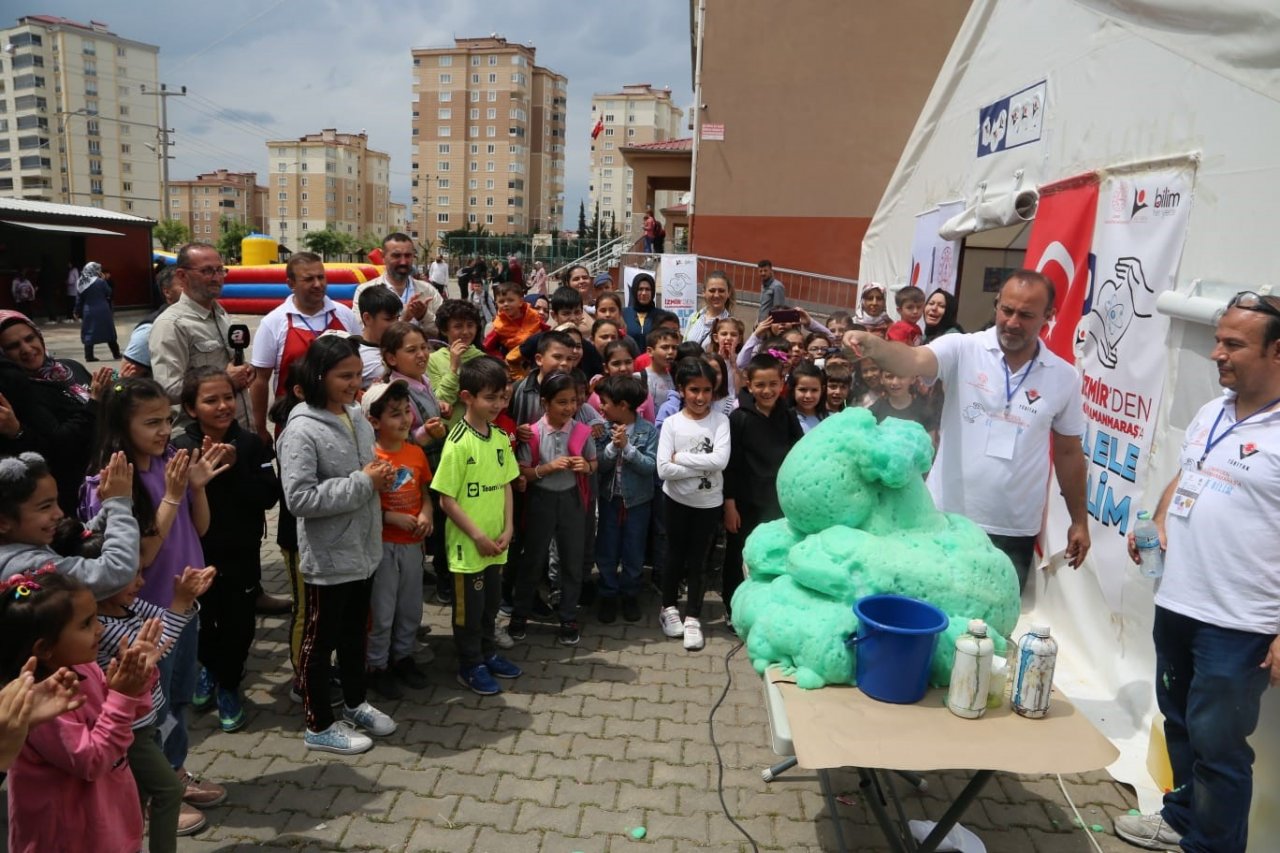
<point x="579" y="435"/>
<point x="535" y="438"/>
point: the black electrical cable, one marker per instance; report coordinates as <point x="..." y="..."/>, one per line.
<point x="711" y="726"/>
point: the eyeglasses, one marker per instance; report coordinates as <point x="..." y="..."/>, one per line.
<point x="208" y="272"/>
<point x="1250" y="301"/>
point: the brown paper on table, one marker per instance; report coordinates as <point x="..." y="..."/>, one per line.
<point x="843" y="727"/>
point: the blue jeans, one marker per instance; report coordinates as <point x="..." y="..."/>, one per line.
<point x="621" y="541"/>
<point x="179" y="671"/>
<point x="1209" y="688"/>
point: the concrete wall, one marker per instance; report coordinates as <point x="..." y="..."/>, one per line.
<point x="817" y="99"/>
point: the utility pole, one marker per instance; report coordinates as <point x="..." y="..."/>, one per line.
<point x="164" y="95"/>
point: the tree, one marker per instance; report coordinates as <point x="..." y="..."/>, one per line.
<point x="582" y="219"/>
<point x="327" y="243"/>
<point x="614" y="233"/>
<point x="233" y="231"/>
<point x="171" y="233"/>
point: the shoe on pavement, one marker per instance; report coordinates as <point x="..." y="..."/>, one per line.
<point x="190" y="820"/>
<point x="384" y="682"/>
<point x="501" y="667"/>
<point x="200" y="793"/>
<point x="341" y="737"/>
<point x="231" y="715"/>
<point x="502" y="639"/>
<point x="408" y="671"/>
<point x="1148" y="831"/>
<point x="669" y="617"/>
<point x="202" y="700"/>
<point x="370" y="719"/>
<point x="478" y="680"/>
<point x="692" y="634"/>
<point x="630" y="608"/>
<point x="517" y="627"/>
<point x="608" y="613"/>
<point x="569" y="635"/>
<point x="272" y="605"/>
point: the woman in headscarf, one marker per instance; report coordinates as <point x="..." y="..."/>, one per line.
<point x="46" y="405"/>
<point x="639" y="311"/>
<point x="940" y="315"/>
<point x="93" y="309"/>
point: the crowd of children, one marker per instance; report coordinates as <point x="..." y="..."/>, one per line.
<point x="539" y="458"/>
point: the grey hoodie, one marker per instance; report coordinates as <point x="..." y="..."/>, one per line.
<point x="105" y="575"/>
<point x="338" y="510"/>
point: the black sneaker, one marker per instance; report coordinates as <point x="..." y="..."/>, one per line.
<point x="407" y="670"/>
<point x="608" y="613"/>
<point x="630" y="608"/>
<point x="385" y="684"/>
<point x="517" y="627"/>
<point x="444" y="595"/>
<point x="569" y="634"/>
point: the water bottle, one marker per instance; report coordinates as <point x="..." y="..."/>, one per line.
<point x="1147" y="537"/>
<point x="971" y="675"/>
<point x="1033" y="678"/>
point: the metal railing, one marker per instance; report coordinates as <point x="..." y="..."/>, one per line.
<point x="600" y="258"/>
<point x="810" y="290"/>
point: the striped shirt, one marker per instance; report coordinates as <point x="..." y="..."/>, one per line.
<point x="114" y="628"/>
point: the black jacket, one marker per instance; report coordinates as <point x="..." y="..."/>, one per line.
<point x="238" y="497"/>
<point x="757" y="446"/>
<point x="55" y="423"/>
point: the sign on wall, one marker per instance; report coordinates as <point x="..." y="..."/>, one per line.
<point x="678" y="276"/>
<point x="1012" y="121"/>
<point x="934" y="260"/>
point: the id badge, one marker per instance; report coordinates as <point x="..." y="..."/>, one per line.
<point x="1002" y="435"/>
<point x="1187" y="492"/>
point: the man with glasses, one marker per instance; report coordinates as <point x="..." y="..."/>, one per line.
<point x="1218" y="602"/>
<point x="419" y="298"/>
<point x="192" y="332"/>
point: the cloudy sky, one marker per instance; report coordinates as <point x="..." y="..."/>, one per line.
<point x="258" y="69"/>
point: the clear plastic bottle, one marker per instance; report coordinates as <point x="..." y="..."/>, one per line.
<point x="971" y="675"/>
<point x="1147" y="537"/>
<point x="1033" y="680"/>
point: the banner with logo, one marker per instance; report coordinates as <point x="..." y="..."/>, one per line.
<point x="934" y="261"/>
<point x="1061" y="237"/>
<point x="678" y="276"/>
<point x="1139" y="231"/>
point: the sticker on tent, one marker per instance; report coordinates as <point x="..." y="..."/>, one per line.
<point x="1012" y="121"/>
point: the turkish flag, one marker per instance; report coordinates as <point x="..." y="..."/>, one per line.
<point x="598" y="129"/>
<point x="1059" y="247"/>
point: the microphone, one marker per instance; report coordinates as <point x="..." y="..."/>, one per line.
<point x="238" y="340"/>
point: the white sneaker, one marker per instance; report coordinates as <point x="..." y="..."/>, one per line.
<point x="370" y="719"/>
<point x="692" y="634"/>
<point x="1148" y="831"/>
<point x="341" y="737"/>
<point x="670" y="619"/>
<point x="501" y="638"/>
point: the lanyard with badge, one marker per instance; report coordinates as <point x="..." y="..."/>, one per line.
<point x="1192" y="483"/>
<point x="1002" y="431"/>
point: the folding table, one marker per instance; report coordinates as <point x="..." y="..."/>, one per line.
<point x="836" y="727"/>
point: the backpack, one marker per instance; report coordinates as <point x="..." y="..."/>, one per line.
<point x="579" y="435"/>
<point x="658" y="231"/>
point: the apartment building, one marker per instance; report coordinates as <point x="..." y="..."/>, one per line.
<point x="202" y="203"/>
<point x="488" y="139"/>
<point x="637" y="115"/>
<point x="79" y="117"/>
<point x="327" y="180"/>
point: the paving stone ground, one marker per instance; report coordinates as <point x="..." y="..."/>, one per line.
<point x="591" y="742"/>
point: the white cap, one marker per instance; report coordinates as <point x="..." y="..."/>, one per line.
<point x="977" y="627"/>
<point x="376" y="392"/>
<point x="1040" y="630"/>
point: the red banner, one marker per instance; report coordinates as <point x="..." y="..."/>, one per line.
<point x="1059" y="246"/>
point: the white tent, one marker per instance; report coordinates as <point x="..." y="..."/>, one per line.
<point x="1116" y="81"/>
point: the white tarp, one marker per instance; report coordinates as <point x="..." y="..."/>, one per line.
<point x="1124" y="80"/>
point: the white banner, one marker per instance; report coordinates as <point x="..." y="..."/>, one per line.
<point x="934" y="261"/>
<point x="678" y="278"/>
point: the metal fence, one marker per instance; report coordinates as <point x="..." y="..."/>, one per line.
<point x="553" y="255"/>
<point x="810" y="290"/>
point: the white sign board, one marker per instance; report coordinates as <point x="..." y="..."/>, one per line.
<point x="678" y="277"/>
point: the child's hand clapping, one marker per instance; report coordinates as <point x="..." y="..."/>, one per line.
<point x="207" y="464"/>
<point x="102" y="379"/>
<point x="578" y="464"/>
<point x="435" y="428"/>
<point x="116" y="480"/>
<point x="456" y="349"/>
<point x="128" y="672"/>
<point x="190" y="585"/>
<point x="56" y="695"/>
<point x="149" y="642"/>
<point x="381" y="473"/>
<point x="620" y="436"/>
<point x="177" y="474"/>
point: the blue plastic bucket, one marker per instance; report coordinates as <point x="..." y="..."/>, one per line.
<point x="894" y="646"/>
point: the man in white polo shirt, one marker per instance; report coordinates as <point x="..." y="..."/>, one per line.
<point x="419" y="299"/>
<point x="1006" y="395"/>
<point x="1218" y="603"/>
